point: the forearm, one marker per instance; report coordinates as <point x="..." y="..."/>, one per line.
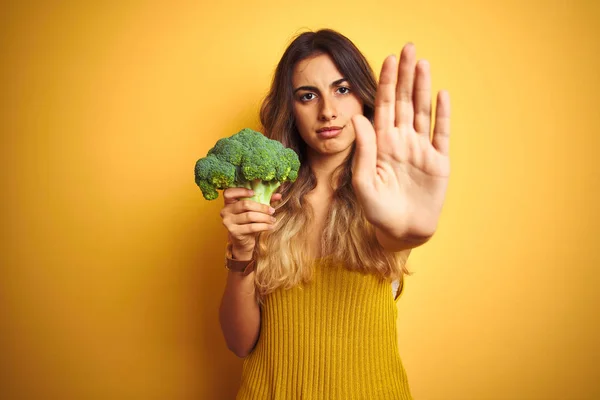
<point x="394" y="243"/>
<point x="239" y="314"/>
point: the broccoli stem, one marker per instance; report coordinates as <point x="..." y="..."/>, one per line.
<point x="263" y="190"/>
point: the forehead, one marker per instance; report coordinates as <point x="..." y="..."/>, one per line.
<point x="318" y="70"/>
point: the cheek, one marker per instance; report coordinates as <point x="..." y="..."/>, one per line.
<point x="356" y="106"/>
<point x="301" y="118"/>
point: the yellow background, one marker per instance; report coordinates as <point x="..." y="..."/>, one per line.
<point x="111" y="260"/>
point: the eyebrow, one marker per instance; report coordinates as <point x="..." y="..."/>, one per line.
<point x="314" y="89"/>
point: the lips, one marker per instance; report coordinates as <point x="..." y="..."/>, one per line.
<point x="329" y="128"/>
<point x="330" y="131"/>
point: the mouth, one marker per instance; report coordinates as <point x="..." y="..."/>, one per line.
<point x="330" y="131"/>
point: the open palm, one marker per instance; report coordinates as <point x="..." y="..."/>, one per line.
<point x="400" y="175"/>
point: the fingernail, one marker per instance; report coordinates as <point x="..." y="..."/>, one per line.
<point x="251" y="192"/>
<point x="273" y="219"/>
<point x="271" y="210"/>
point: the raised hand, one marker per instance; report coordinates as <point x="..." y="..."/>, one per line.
<point x="400" y="174"/>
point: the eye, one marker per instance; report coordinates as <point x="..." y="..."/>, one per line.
<point x="343" y="90"/>
<point x="307" y="97"/>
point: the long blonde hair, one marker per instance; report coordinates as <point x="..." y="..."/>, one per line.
<point x="283" y="256"/>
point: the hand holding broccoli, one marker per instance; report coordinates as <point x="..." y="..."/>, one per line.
<point x="249" y="167"/>
<point x="244" y="219"/>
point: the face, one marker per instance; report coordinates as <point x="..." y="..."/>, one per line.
<point x="324" y="104"/>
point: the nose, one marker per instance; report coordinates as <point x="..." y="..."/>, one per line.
<point x="328" y="111"/>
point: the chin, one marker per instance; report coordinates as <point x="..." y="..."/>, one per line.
<point x="339" y="149"/>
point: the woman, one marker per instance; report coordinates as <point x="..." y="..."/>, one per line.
<point x="307" y="301"/>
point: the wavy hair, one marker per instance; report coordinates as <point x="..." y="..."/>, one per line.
<point x="283" y="255"/>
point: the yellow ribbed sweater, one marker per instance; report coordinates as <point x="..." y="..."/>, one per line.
<point x="334" y="338"/>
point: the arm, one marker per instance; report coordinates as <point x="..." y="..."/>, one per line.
<point x="395" y="244"/>
<point x="239" y="313"/>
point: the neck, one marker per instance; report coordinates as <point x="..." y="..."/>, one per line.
<point x="324" y="166"/>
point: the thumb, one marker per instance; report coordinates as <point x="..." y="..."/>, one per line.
<point x="365" y="156"/>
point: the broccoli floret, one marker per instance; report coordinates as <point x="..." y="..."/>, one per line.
<point x="247" y="159"/>
<point x="214" y="173"/>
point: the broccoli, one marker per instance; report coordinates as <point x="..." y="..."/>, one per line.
<point x="247" y="159"/>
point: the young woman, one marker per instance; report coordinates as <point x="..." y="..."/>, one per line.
<point x="308" y="301"/>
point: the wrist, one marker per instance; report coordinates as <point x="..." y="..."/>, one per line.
<point x="241" y="254"/>
<point x="239" y="261"/>
<point x="399" y="242"/>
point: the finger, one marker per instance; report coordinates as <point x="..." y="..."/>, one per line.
<point x="385" y="96"/>
<point x="243" y="206"/>
<point x="254" y="228"/>
<point x="365" y="156"/>
<point x="404" y="88"/>
<point x="232" y="195"/>
<point x="276" y="197"/>
<point x="252" y="217"/>
<point x="441" y="130"/>
<point x="422" y="99"/>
